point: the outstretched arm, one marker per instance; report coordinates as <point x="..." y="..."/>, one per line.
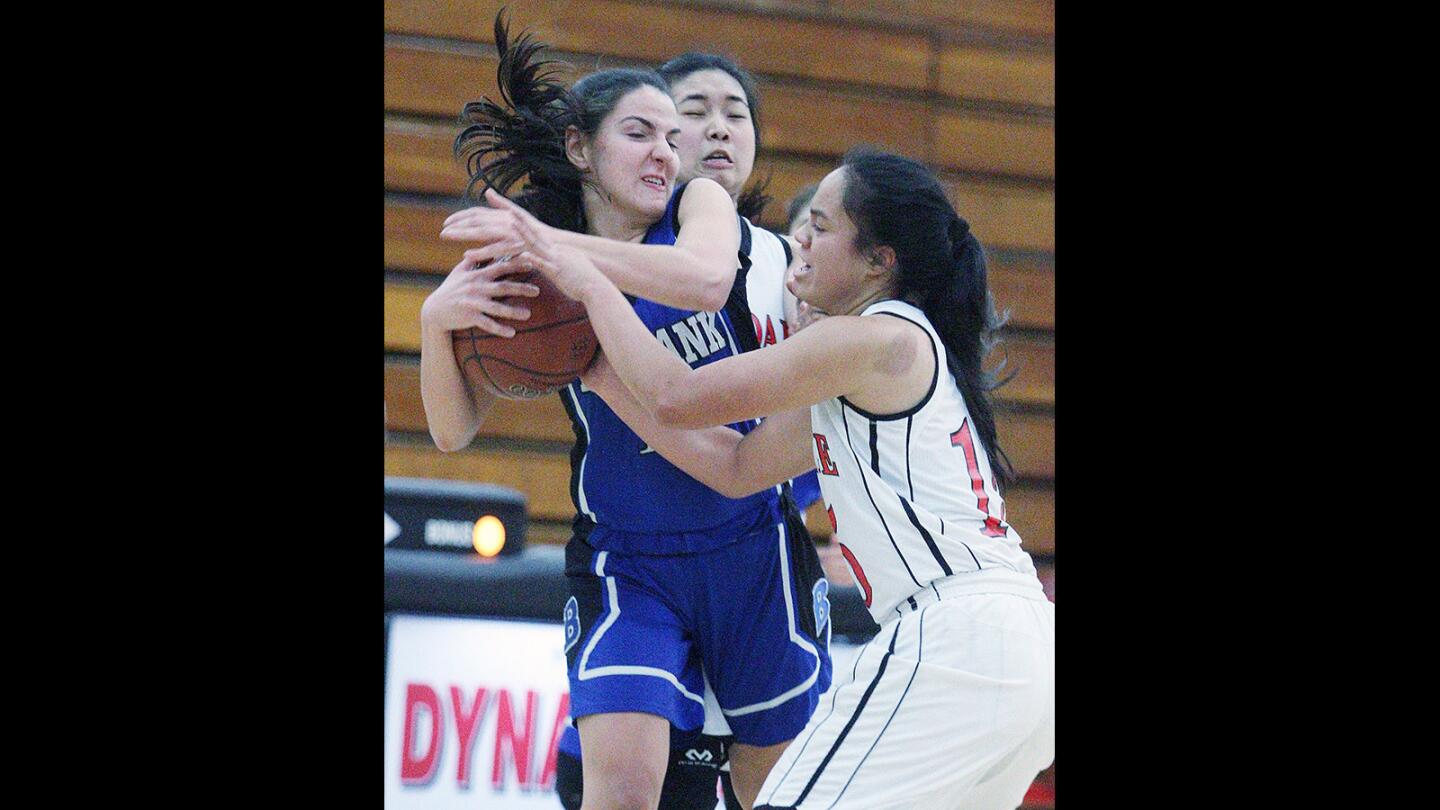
<point x="696" y="272"/>
<point x="732" y="464"/>
<point x="833" y="357"/>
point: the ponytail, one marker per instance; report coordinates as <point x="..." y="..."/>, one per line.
<point x="969" y="335"/>
<point x="940" y="267"/>
<point x="752" y="201"/>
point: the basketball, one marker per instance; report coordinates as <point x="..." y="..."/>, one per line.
<point x="548" y="351"/>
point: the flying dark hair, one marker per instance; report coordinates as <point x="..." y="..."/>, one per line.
<point x="939" y="266"/>
<point x="525" y="136"/>
<point x="752" y="201"/>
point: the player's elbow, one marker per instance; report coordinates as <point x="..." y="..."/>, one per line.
<point x="669" y="412"/>
<point x="713" y="282"/>
<point x="674" y="408"/>
<point x="715" y="294"/>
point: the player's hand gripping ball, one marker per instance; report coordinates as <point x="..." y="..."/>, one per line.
<point x="547" y="353"/>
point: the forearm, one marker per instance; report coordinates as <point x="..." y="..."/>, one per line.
<point x="454" y="413"/>
<point x="718" y="457"/>
<point x="646" y="368"/>
<point x="673" y="275"/>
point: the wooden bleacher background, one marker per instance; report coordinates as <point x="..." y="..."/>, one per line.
<point x="966" y="86"/>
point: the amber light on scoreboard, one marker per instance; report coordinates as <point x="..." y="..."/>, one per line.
<point x="489" y="536"/>
<point x="454" y="517"/>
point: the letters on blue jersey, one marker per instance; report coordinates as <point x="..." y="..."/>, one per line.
<point x="611" y="465"/>
<point x="694" y="337"/>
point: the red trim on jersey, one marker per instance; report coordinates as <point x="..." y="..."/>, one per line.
<point x="962" y="439"/>
<point x="822" y="448"/>
<point x="859" y="574"/>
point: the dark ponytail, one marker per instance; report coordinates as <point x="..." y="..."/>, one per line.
<point x="752" y="201"/>
<point x="525" y="136"/>
<point x="940" y="268"/>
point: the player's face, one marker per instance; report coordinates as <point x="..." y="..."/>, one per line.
<point x="832" y="270"/>
<point x="632" y="155"/>
<point x="717" y="138"/>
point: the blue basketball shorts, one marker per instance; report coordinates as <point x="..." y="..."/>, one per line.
<point x="644" y="633"/>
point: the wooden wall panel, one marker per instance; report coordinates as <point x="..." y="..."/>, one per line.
<point x="975" y="143"/>
<point x="1026" y="289"/>
<point x="1015" y="76"/>
<point x="420" y="157"/>
<point x="538" y="420"/>
<point x="412" y="239"/>
<point x="544" y="478"/>
<point x="1035" y="18"/>
<point x="430" y="82"/>
<point x="802" y="120"/>
<point x="402" y="317"/>
<point x="1006" y="216"/>
<point x="652" y="33"/>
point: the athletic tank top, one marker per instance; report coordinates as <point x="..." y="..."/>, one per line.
<point x="627" y="497"/>
<point x="911" y="495"/>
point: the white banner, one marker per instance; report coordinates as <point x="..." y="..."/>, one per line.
<point x="474" y="709"/>
<point x="473" y="712"/>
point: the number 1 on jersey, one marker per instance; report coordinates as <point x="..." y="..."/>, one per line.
<point x="962" y="439"/>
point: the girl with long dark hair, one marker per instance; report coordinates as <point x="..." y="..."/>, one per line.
<point x="666" y="574"/>
<point x="952" y="703"/>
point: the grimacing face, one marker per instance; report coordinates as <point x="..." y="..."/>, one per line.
<point x="632" y="156"/>
<point x="717" y="137"/>
<point x="832" y="269"/>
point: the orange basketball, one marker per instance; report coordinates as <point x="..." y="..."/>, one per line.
<point x="548" y="352"/>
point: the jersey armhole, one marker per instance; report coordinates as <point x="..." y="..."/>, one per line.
<point x="674" y="212"/>
<point x="914" y="409"/>
<point x="784" y="245"/>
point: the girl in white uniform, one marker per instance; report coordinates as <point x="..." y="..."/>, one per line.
<point x="952" y="704"/>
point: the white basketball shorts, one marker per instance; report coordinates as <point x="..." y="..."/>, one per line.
<point x="951" y="705"/>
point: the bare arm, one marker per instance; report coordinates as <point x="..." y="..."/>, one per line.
<point x="875" y="361"/>
<point x="732" y="464"/>
<point x="466" y="298"/>
<point x="696" y="272"/>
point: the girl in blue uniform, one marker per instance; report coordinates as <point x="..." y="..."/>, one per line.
<point x="719" y="135"/>
<point x="673" y="584"/>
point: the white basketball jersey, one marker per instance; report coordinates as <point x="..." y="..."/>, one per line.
<point x="911" y="495"/>
<point x="765" y="286"/>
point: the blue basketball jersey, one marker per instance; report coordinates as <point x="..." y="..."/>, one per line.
<point x="636" y="500"/>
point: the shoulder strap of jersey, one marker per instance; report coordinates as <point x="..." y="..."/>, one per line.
<point x="674" y="209"/>
<point x="738" y="304"/>
<point x="785" y="246"/>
